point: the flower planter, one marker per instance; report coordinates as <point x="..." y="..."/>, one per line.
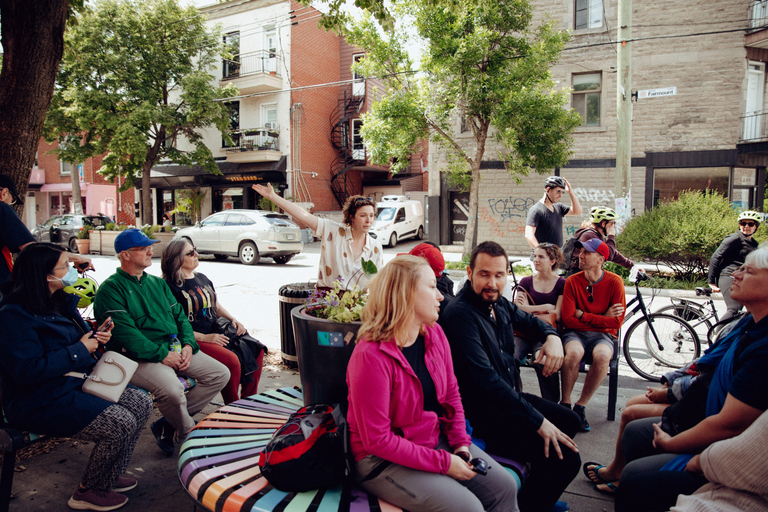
<point x="83" y="245"/>
<point x="165" y="239"/>
<point x="323" y="348"/>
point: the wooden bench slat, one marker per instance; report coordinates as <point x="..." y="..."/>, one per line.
<point x="217" y="450"/>
<point x="225" y="469"/>
<point x="237" y="499"/>
<point x="269" y="501"/>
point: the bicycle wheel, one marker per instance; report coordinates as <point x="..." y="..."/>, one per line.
<point x="677" y="345"/>
<point x="696" y="317"/>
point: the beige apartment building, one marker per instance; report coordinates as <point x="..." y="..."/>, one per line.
<point x="698" y="82"/>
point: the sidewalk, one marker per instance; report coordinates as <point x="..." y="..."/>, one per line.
<point x="47" y="480"/>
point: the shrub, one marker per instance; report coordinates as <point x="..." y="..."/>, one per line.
<point x="83" y="233"/>
<point x="681" y="234"/>
<point x="149" y="231"/>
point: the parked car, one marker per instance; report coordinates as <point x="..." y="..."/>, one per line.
<point x="62" y="229"/>
<point x="398" y="218"/>
<point x="247" y="234"/>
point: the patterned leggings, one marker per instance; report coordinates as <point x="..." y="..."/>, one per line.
<point x="116" y="431"/>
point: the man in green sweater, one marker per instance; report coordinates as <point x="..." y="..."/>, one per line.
<point x="148" y="324"/>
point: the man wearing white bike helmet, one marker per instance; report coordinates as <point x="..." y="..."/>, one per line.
<point x="545" y="218"/>
<point x="730" y="256"/>
<point x="603" y="226"/>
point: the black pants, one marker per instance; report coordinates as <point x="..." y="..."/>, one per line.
<point x="518" y="440"/>
<point x="643" y="474"/>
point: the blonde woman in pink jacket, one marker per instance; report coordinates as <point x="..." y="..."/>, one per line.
<point x="407" y="428"/>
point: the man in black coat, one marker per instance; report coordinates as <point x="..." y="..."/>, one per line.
<point x="479" y="325"/>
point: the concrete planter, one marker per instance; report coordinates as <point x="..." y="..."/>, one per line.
<point x="165" y="239"/>
<point x="103" y="242"/>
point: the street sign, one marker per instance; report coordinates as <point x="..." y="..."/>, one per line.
<point x="656" y="93"/>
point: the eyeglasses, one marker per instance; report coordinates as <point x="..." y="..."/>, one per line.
<point x="745" y="223"/>
<point x="191" y="253"/>
<point x="140" y="249"/>
<point x="64" y="267"/>
<point x="591" y="298"/>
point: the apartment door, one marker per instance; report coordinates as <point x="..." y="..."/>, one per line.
<point x="270" y="45"/>
<point x="754" y="108"/>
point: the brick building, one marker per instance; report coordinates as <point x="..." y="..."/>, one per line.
<point x="296" y="120"/>
<point x="699" y="74"/>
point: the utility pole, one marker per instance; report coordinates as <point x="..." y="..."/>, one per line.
<point x="624" y="111"/>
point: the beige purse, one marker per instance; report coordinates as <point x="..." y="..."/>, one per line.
<point x="109" y="377"/>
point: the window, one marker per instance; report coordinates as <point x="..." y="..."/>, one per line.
<point x="358" y="148"/>
<point x="67" y="168"/>
<point x="231" y="67"/>
<point x="589" y="14"/>
<point x="585" y="98"/>
<point x="358" y="86"/>
<point x="234" y="123"/>
<point x="669" y="182"/>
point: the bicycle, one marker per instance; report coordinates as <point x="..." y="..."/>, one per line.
<point x="657" y="342"/>
<point x="699" y="316"/>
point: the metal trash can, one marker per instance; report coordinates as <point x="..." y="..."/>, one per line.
<point x="291" y="295"/>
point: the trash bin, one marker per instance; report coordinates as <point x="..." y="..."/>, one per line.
<point x="291" y="295"/>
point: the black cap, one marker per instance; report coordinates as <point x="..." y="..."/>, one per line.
<point x="7" y="182"/>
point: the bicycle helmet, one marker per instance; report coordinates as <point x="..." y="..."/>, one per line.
<point x="85" y="288"/>
<point x="751" y="215"/>
<point x="600" y="213"/>
<point x="554" y="182"/>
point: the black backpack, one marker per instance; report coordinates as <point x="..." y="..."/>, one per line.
<point x="307" y="452"/>
<point x="569" y="246"/>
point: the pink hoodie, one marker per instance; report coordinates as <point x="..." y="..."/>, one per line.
<point x="386" y="405"/>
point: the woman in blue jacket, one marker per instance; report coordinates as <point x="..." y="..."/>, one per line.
<point x="43" y="339"/>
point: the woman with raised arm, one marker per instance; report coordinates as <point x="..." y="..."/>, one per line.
<point x="342" y="246"/>
<point x="406" y="420"/>
<point x="43" y="340"/>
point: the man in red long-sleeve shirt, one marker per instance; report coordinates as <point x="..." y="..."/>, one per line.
<point x="593" y="311"/>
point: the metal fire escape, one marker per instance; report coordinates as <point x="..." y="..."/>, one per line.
<point x="347" y="109"/>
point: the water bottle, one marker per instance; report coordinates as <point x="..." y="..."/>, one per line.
<point x="187" y="383"/>
<point x="633" y="274"/>
<point x="175" y="345"/>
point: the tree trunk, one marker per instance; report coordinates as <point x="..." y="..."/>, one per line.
<point x="77" y="198"/>
<point x="470" y="238"/>
<point x="146" y="196"/>
<point x="33" y="41"/>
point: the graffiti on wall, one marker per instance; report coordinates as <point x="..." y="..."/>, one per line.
<point x="508" y="208"/>
<point x="501" y="228"/>
<point x="593" y="195"/>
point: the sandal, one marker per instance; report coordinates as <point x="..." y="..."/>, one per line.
<point x="612" y="488"/>
<point x="595" y="471"/>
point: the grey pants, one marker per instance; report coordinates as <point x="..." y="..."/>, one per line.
<point x="734" y="307"/>
<point x="421" y="491"/>
<point x="115" y="431"/>
<point x="175" y="406"/>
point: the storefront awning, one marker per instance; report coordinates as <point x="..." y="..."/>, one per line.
<point x="62" y="187"/>
<point x="178" y="176"/>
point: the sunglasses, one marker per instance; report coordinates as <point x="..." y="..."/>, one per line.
<point x="191" y="253"/>
<point x="745" y="223"/>
<point x="591" y="298"/>
<point x="362" y="200"/>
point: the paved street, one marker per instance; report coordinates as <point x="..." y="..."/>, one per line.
<point x="250" y="293"/>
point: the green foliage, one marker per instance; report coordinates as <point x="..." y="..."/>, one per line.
<point x="111" y="226"/>
<point x="681" y="234"/>
<point x="339" y="305"/>
<point x="84" y="233"/>
<point x="616" y="269"/>
<point x="134" y="79"/>
<point x="149" y="231"/>
<point x="190" y="201"/>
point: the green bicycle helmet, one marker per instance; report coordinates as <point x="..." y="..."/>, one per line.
<point x="751" y="215"/>
<point x="85" y="288"/>
<point x="600" y="213"/>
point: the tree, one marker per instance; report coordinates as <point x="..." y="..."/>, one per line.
<point x="133" y="80"/>
<point x="32" y="33"/>
<point x="482" y="62"/>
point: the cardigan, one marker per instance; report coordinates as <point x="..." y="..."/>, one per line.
<point x="386" y="404"/>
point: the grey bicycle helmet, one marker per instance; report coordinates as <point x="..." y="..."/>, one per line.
<point x="751" y="215"/>
<point x="600" y="213"/>
<point x="554" y="182"/>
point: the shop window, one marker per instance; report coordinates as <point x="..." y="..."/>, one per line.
<point x="669" y="182"/>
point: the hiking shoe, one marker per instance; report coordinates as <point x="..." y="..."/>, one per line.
<point x="125" y="483"/>
<point x="567" y="406"/>
<point x="581" y="413"/>
<point x="92" y="499"/>
<point x="163" y="432"/>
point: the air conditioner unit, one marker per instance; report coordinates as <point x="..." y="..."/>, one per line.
<point x="270" y="126"/>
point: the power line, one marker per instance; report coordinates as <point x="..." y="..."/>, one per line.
<point x="670" y="36"/>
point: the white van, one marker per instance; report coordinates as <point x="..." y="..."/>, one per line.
<point x="398" y="218"/>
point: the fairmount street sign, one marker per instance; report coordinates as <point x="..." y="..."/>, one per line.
<point x="656" y="93"/>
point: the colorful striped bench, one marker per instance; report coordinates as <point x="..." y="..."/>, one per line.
<point x="218" y="462"/>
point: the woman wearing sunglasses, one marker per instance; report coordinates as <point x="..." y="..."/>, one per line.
<point x="730" y="256"/>
<point x="343" y="246"/>
<point x="196" y="294"/>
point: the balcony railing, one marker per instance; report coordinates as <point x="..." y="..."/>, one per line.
<point x="754" y="128"/>
<point x="255" y="139"/>
<point x="245" y="64"/>
<point x="758" y="14"/>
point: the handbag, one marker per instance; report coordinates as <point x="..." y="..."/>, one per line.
<point x="245" y="347"/>
<point x="109" y="377"/>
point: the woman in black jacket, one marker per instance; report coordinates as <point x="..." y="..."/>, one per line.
<point x="730" y="256"/>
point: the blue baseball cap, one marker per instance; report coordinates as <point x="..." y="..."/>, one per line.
<point x="132" y="238"/>
<point x="594" y="245"/>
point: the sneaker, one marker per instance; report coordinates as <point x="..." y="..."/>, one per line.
<point x="561" y="506"/>
<point x="92" y="499"/>
<point x="163" y="432"/>
<point x="567" y="406"/>
<point x="582" y="414"/>
<point x="125" y="483"/>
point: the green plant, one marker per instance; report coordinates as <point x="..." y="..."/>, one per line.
<point x="339" y="304"/>
<point x="617" y="269"/>
<point x="149" y="231"/>
<point x="190" y="201"/>
<point x="681" y="234"/>
<point x="84" y="233"/>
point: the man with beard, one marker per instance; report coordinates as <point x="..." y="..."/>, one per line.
<point x="479" y="324"/>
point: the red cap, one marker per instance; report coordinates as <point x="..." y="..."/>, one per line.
<point x="595" y="245"/>
<point x="433" y="256"/>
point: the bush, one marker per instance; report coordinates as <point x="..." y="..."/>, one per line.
<point x="83" y="233"/>
<point x="681" y="234"/>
